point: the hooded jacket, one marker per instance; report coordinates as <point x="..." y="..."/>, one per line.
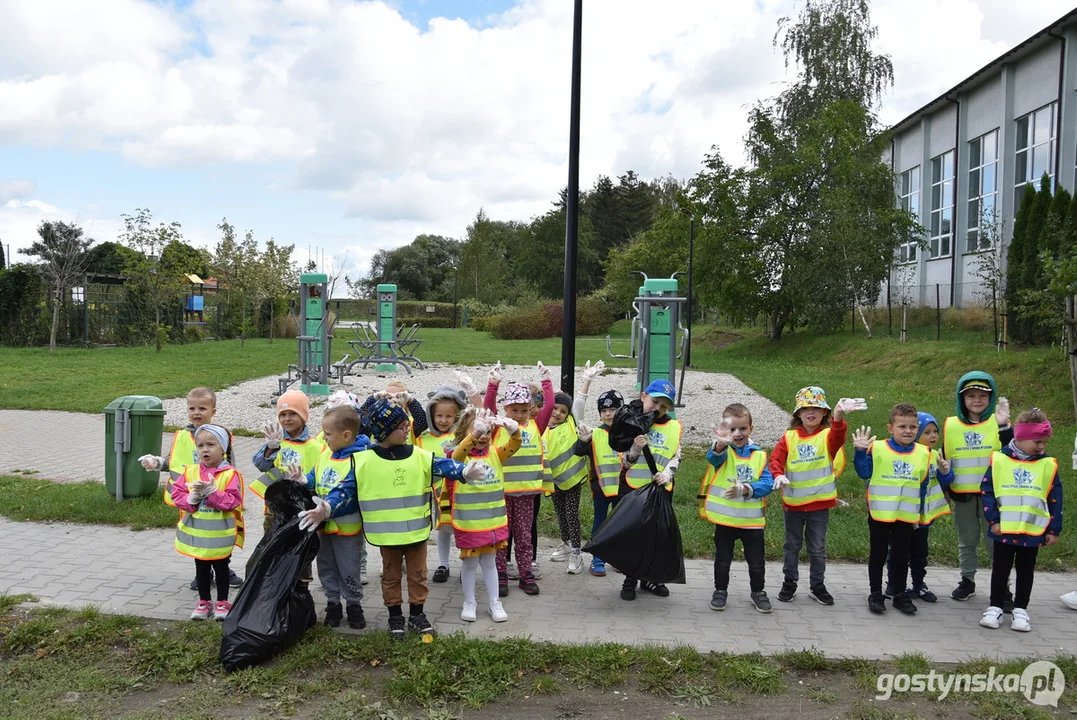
<point x="342" y="498"/>
<point x="962" y="413"/>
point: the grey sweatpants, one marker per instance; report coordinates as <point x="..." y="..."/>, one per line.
<point x="810" y="527"/>
<point x="971" y="527"/>
<point x="338" y="566"/>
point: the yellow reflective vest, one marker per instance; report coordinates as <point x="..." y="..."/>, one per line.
<point x="438" y="445"/>
<point x="566" y="467"/>
<point x="394" y="497"/>
<point x="1021" y="489"/>
<point x="479" y="505"/>
<point x="182" y="454"/>
<point x="742" y="512"/>
<point x="968" y="447"/>
<point x="329" y="472"/>
<point x="607" y="463"/>
<point x="664" y="441"/>
<point x="894" y="488"/>
<point x="935" y="505"/>
<point x="210" y="534"/>
<point x="306" y="453"/>
<point x="523" y="472"/>
<point x="811" y="474"/>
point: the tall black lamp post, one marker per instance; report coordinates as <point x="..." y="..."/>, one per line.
<point x="572" y="213"/>
<point x="691" y="257"/>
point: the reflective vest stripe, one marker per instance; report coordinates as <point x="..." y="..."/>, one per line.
<point x="395" y="527"/>
<point x="572" y="472"/>
<point x="742" y="512"/>
<point x="827" y="490"/>
<point x="479" y="497"/>
<point x="976" y="463"/>
<point x="523" y="472"/>
<point x="894" y="488"/>
<point x="607" y="462"/>
<point x="208" y="533"/>
<point x="206" y="541"/>
<point x="567" y="469"/>
<point x="748" y="513"/>
<point x="562" y="458"/>
<point x="935" y="504"/>
<point x="479" y="505"/>
<point x="805" y="475"/>
<point x="270" y="476"/>
<point x="328" y="474"/>
<point x="394" y="497"/>
<point x="195" y="522"/>
<point x="437" y="445"/>
<point x="968" y="447"/>
<point x="401" y="503"/>
<point x="517" y="461"/>
<point x="480" y="513"/>
<point x="638" y="472"/>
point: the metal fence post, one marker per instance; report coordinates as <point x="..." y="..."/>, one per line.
<point x="938" y="314"/>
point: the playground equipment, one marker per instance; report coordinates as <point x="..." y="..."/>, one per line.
<point x="380" y="342"/>
<point x="654" y="336"/>
<point x="313" y="368"/>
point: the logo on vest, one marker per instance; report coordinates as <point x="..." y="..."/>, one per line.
<point x="745" y="473"/>
<point x="1022" y="477"/>
<point x="902" y="468"/>
<point x="656" y="439"/>
<point x="289" y="456"/>
<point x="400" y="479"/>
<point x="329" y="477"/>
<point x="806" y="452"/>
<point x="973" y="439"/>
<point x="525" y="439"/>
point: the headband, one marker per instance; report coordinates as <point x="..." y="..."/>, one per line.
<point x="1032" y="431"/>
<point x="216" y="431"/>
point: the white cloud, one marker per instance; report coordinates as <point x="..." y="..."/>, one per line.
<point x="413" y="129"/>
<point x="15" y="190"/>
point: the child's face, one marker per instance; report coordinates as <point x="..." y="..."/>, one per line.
<point x="658" y="405"/>
<point x="444" y="416"/>
<point x="200" y="410"/>
<point x="559" y="415"/>
<point x="976" y="400"/>
<point x="811" y="417"/>
<point x="210" y="452"/>
<point x="399" y="435"/>
<point x="291" y="421"/>
<point x="607" y="415"/>
<point x="536" y="408"/>
<point x="904" y="428"/>
<point x="337" y="438"/>
<point x="520" y="412"/>
<point x="1031" y="447"/>
<point x="930" y="435"/>
<point x="740" y="428"/>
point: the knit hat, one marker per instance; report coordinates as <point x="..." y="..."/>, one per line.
<point x="563" y="399"/>
<point x="610" y="399"/>
<point x="385" y="417"/>
<point x="517" y="393"/>
<point x="924" y="419"/>
<point x="811" y="396"/>
<point x="445" y="392"/>
<point x="217" y="432"/>
<point x="295" y="401"/>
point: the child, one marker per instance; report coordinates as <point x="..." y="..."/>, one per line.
<point x="567" y="470"/>
<point x="968" y="440"/>
<point x="287" y="441"/>
<point x="397" y="391"/>
<point x="896" y="470"/>
<point x="664" y="439"/>
<point x="605" y="465"/>
<point x="341" y="538"/>
<point x="210" y="495"/>
<point x="1022" y="500"/>
<point x="805" y="463"/>
<point x="523" y="473"/>
<point x="445" y="405"/>
<point x="732" y="498"/>
<point x="479" y="519"/>
<point x="932" y="506"/>
<point x="201" y="407"/>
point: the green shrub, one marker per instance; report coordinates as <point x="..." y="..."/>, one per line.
<point x="544" y="320"/>
<point x="593" y="316"/>
<point x="24" y="319"/>
<point x="526" y="323"/>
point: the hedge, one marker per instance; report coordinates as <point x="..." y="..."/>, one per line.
<point x="544" y="320"/>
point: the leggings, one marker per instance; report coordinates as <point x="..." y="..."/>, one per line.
<point x="489" y="576"/>
<point x="520" y="510"/>
<point x="534" y="533"/>
<point x="444" y="538"/>
<point x="567" y="505"/>
<point x="1006" y="557"/>
<point x="219" y="569"/>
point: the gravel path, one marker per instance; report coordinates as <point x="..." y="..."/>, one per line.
<point x="249" y="404"/>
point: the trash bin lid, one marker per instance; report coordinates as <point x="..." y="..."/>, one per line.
<point x="136" y="405"/>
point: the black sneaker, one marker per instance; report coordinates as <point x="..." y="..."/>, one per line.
<point x="334" y="613"/>
<point x="819" y="594"/>
<point x="233" y="579"/>
<point x="718" y="600"/>
<point x="877" y="603"/>
<point x="964" y="590"/>
<point x="419" y="624"/>
<point x="628" y="589"/>
<point x="788" y="591"/>
<point x="657" y="588"/>
<point x="761" y="602"/>
<point x="923" y="594"/>
<point x="356" y="621"/>
<point x="904" y="603"/>
<point x="502" y="585"/>
<point x="528" y="584"/>
<point x="194" y="585"/>
<point x="441" y="574"/>
<point x="396" y="627"/>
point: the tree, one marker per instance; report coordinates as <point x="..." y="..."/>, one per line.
<point x="109" y="258"/>
<point x="279" y="276"/>
<point x="1016" y="255"/>
<point x="179" y="258"/>
<point x="62" y="253"/>
<point x="336" y="270"/>
<point x="239" y="265"/>
<point x="159" y="285"/>
<point x="3" y="264"/>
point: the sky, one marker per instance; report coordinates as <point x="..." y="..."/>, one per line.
<point x="349" y="126"/>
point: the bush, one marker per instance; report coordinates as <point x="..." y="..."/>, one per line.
<point x="428" y="321"/>
<point x="24" y="319"/>
<point x="521" y="324"/>
<point x="593" y="316"/>
<point x="544" y="320"/>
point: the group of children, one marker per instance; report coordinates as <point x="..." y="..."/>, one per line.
<point x="390" y="470"/>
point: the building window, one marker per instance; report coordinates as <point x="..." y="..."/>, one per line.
<point x="1035" y="150"/>
<point x="941" y="224"/>
<point x="983" y="190"/>
<point x="910" y="202"/>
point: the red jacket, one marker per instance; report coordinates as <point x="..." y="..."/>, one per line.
<point x="838" y="431"/>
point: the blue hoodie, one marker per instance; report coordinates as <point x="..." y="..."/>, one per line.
<point x="341" y="498"/>
<point x="761" y="487"/>
<point x="924" y="419"/>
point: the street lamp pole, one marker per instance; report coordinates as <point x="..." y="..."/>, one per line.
<point x="572" y="208"/>
<point x="691" y="256"/>
<point x="455" y="295"/>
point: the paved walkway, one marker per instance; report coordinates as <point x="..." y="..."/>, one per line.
<point x="139" y="573"/>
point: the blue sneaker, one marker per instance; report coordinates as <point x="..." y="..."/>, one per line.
<point x="598" y="567"/>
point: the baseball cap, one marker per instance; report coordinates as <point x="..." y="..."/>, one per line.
<point x="661" y="388"/>
<point x="976" y="385"/>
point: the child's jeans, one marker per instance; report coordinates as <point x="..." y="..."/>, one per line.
<point x="811" y="527"/>
<point x="338" y="567"/>
<point x="971" y="526"/>
<point x="752" y="540"/>
<point x="394" y="560"/>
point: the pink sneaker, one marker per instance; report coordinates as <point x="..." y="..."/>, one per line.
<point x="220" y="610"/>
<point x="202" y="610"/>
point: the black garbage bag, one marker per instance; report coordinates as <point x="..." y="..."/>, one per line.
<point x="629" y="422"/>
<point x="273" y="608"/>
<point x="641" y="538"/>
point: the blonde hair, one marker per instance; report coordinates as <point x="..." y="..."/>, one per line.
<point x="203" y="392"/>
<point x="464" y="424"/>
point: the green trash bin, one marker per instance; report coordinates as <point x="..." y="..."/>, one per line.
<point x="133" y="427"/>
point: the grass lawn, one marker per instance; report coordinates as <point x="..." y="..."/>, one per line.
<point x="82" y="502"/>
<point x="60" y="663"/>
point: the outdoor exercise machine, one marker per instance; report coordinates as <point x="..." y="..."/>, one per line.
<point x="380" y="342"/>
<point x="656" y="324"/>
<point x="313" y="368"/>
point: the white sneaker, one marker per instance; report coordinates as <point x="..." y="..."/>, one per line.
<point x="992" y="618"/>
<point x="467" y="613"/>
<point x="535" y="571"/>
<point x="497" y="612"/>
<point x="510" y="568"/>
<point x="1020" y="621"/>
<point x="561" y="554"/>
<point x="1070" y="600"/>
<point x="575" y="563"/>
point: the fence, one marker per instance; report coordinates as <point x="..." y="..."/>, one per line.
<point x="920" y="311"/>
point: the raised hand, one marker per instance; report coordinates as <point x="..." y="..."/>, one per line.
<point x="273" y="433"/>
<point x="848" y="405"/>
<point x="495" y="374"/>
<point x="466" y="383"/>
<point x="1002" y="411"/>
<point x="294" y="471"/>
<point x="722" y="435"/>
<point x="483" y="424"/>
<point x="340" y="397"/>
<point x="943" y="465"/>
<point x="542" y="372"/>
<point x="863" y="438"/>
<point x="510" y="425"/>
<point x="401" y="398"/>
<point x="590" y="372"/>
<point x="583" y="432"/>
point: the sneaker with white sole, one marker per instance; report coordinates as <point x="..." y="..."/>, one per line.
<point x="561" y="554"/>
<point x="513" y="573"/>
<point x="467" y="613"/>
<point x="221" y="610"/>
<point x="202" y="610"/>
<point x="1070" y="600"/>
<point x="992" y="618"/>
<point x="1019" y="621"/>
<point x="497" y="612"/>
<point x="535" y="571"/>
<point x="575" y="564"/>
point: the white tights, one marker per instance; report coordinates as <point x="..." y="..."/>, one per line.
<point x="444" y="543"/>
<point x="489" y="576"/>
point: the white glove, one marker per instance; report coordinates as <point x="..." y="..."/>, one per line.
<point x="466" y="383"/>
<point x="1002" y="411"/>
<point x="273" y="433"/>
<point x="309" y="520"/>
<point x="495" y="374"/>
<point x="780" y="482"/>
<point x="483" y="424"/>
<point x="590" y="372"/>
<point x="402" y="398"/>
<point x="722" y="436"/>
<point x="340" y="397"/>
<point x="510" y="425"/>
<point x="380" y="395"/>
<point x="861" y="439"/>
<point x="294" y="472"/>
<point x="943" y="465"/>
<point x="152" y="462"/>
<point x="474" y="470"/>
<point x="852" y="404"/>
<point x="199" y="490"/>
<point x="583" y="432"/>
<point x="542" y="371"/>
<point x="663" y="478"/>
<point x="736" y="491"/>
